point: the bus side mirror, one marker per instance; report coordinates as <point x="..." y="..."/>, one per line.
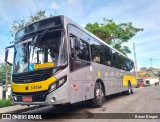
<point x="6" y="55"/>
<point x="77" y="43"/>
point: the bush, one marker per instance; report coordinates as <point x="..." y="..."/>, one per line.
<point x="5" y="103"/>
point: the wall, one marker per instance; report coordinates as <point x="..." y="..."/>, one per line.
<point x="152" y="80"/>
<point x="1" y="91"/>
<point x="8" y="91"/>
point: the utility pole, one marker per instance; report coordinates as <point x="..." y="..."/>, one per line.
<point x="151" y="61"/>
<point x="135" y="60"/>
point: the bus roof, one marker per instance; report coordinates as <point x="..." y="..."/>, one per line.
<point x="70" y="21"/>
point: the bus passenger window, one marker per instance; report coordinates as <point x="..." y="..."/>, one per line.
<point x="107" y="55"/>
<point x="121" y="62"/>
<point x="108" y="63"/>
<point x="97" y="52"/>
<point x="114" y="59"/>
<point x="96" y="58"/>
<point x="83" y="52"/>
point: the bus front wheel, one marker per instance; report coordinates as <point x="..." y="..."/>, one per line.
<point x="99" y="95"/>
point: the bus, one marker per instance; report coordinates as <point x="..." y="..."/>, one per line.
<point x="58" y="62"/>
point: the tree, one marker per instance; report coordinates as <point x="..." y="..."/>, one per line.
<point x="143" y="68"/>
<point x="18" y="24"/>
<point x="3" y="72"/>
<point x="114" y="34"/>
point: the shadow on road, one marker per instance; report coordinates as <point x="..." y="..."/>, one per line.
<point x="72" y="111"/>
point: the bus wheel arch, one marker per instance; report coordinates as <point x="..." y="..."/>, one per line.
<point x="99" y="80"/>
<point x="99" y="94"/>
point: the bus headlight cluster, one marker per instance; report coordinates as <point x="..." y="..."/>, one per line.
<point x="53" y="87"/>
<point x="57" y="84"/>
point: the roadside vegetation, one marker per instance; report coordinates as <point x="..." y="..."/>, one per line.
<point x="3" y="73"/>
<point x="5" y="103"/>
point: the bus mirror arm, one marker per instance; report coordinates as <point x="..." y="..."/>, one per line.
<point x="6" y="55"/>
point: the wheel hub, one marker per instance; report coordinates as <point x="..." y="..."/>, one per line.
<point x="99" y="94"/>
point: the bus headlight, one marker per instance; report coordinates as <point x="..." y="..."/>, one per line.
<point x="57" y="84"/>
<point x="61" y="81"/>
<point x="53" y="87"/>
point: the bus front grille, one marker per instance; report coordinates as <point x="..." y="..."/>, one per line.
<point x="32" y="76"/>
<point x="36" y="97"/>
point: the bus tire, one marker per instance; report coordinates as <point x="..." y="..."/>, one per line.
<point x="99" y="95"/>
<point x="129" y="91"/>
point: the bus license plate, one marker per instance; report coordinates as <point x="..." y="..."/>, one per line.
<point x="27" y="99"/>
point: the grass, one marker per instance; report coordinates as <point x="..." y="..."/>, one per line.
<point x="5" y="103"/>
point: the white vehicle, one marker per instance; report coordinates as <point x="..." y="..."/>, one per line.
<point x="151" y="80"/>
<point x="57" y="62"/>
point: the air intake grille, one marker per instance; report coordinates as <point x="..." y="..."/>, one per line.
<point x="31" y="76"/>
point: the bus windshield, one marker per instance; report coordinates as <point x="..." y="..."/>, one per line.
<point x="48" y="48"/>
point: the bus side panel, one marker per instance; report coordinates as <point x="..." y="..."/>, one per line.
<point x="120" y="86"/>
<point x="107" y="75"/>
<point x="133" y="80"/>
<point x="81" y="84"/>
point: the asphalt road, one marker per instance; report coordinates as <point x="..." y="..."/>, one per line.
<point x="144" y="100"/>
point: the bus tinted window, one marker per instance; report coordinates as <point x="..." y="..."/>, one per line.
<point x="107" y="55"/>
<point x="114" y="59"/>
<point x="129" y="64"/>
<point x="120" y="63"/>
<point x="97" y="53"/>
<point x="83" y="52"/>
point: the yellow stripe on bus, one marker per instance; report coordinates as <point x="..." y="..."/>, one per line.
<point x="32" y="87"/>
<point x="132" y="79"/>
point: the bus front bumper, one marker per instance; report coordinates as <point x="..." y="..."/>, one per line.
<point x="59" y="96"/>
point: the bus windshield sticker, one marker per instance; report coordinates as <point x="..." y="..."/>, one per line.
<point x="44" y="65"/>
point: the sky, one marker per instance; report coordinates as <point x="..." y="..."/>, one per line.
<point x="143" y="14"/>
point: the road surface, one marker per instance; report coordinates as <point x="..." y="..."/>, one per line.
<point x="144" y="100"/>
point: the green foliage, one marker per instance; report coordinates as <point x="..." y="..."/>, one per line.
<point x="3" y="72"/>
<point x="114" y="34"/>
<point x="5" y="103"/>
<point x="143" y="68"/>
<point x="150" y="74"/>
<point x="18" y="24"/>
